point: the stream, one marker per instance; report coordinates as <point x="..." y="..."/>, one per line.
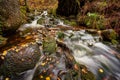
<point x="98" y="57"/>
<point x="87" y="49"/>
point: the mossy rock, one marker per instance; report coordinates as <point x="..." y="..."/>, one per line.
<point x="11" y="16"/>
<point x="110" y="35"/>
<point x="49" y="45"/>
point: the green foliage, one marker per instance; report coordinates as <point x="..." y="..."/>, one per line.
<point x="60" y="35"/>
<point x="93" y="20"/>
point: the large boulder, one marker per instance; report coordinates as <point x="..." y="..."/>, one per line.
<point x="10" y="16"/>
<point x="20" y="58"/>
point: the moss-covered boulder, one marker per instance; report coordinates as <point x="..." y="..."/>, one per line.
<point x="110" y="35"/>
<point x="49" y="45"/>
<point x="10" y="16"/>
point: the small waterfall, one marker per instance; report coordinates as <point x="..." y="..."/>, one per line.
<point x="46" y="22"/>
<point x="33" y="24"/>
<point x="98" y="57"/>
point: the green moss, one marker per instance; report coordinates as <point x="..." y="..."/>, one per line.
<point x="49" y="45"/>
<point x="41" y="21"/>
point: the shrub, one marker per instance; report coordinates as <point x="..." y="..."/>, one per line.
<point x="93" y="20"/>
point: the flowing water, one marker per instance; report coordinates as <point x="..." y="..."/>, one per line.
<point x="87" y="50"/>
<point x="98" y="57"/>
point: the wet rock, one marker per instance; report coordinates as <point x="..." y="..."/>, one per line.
<point x="20" y="58"/>
<point x="61" y="66"/>
<point x="57" y="66"/>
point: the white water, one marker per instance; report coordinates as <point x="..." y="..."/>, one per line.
<point x="96" y="57"/>
<point x="33" y="24"/>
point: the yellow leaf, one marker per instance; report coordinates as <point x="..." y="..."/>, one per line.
<point x="43" y="64"/>
<point x="28" y="37"/>
<point x="4" y="53"/>
<point x="101" y="70"/>
<point x="41" y="76"/>
<point x="47" y="78"/>
<point x="7" y="79"/>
